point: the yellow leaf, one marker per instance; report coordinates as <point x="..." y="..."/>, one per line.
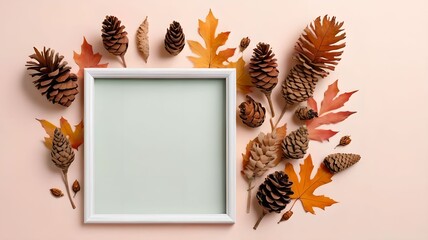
<point x="75" y="137"/>
<point x="208" y="56"/>
<point x="243" y="79"/>
<point x="304" y="190"/>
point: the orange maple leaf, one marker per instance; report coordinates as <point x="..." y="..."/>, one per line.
<point x="243" y="78"/>
<point x="329" y="103"/>
<point x="75" y="137"/>
<point x="87" y="58"/>
<point x="304" y="189"/>
<point x="208" y="56"/>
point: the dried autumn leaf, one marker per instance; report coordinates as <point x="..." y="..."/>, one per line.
<point x="304" y="189"/>
<point x="319" y="42"/>
<point x="75" y="137"/>
<point x="208" y="56"/>
<point x="325" y="116"/>
<point x="243" y="79"/>
<point x="143" y="39"/>
<point x="87" y="58"/>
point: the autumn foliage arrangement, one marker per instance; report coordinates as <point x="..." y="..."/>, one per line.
<point x="317" y="52"/>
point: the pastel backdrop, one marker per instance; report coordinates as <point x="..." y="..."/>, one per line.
<point x="384" y="196"/>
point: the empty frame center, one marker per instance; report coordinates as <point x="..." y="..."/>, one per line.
<point x="159" y="146"/>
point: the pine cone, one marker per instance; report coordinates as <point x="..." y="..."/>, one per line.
<point x="263" y="68"/>
<point x="296" y="143"/>
<point x="274" y="193"/>
<point x="263" y="155"/>
<point x="317" y="52"/>
<point x="62" y="154"/>
<point x="174" y="39"/>
<point x="305" y="113"/>
<point x="244" y="44"/>
<point x="53" y="77"/>
<point x="340" y="161"/>
<point x="252" y="113"/>
<point x="115" y="39"/>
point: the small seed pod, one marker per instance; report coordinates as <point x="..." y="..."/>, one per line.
<point x="56" y="192"/>
<point x="75" y="187"/>
<point x="244" y="44"/>
<point x="345" y="140"/>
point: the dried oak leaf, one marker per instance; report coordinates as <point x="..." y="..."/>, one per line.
<point x="325" y="116"/>
<point x="143" y="39"/>
<point x="75" y="137"/>
<point x="304" y="189"/>
<point x="87" y="58"/>
<point x="208" y="56"/>
<point x="243" y="79"/>
<point x="320" y="42"/>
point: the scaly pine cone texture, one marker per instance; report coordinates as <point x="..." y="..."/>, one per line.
<point x="305" y="113"/>
<point x="252" y="113"/>
<point x="263" y="155"/>
<point x="174" y="39"/>
<point x="263" y="68"/>
<point x="53" y="77"/>
<point x="296" y="143"/>
<point x="274" y="193"/>
<point x="62" y="154"/>
<point x="114" y="36"/>
<point x="340" y="161"/>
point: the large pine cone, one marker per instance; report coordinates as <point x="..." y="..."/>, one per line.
<point x="274" y="193"/>
<point x="174" y="39"/>
<point x="252" y="113"/>
<point x="62" y="154"/>
<point x="340" y="161"/>
<point x="115" y="39"/>
<point x="296" y="143"/>
<point x="300" y="83"/>
<point x="305" y="113"/>
<point x="263" y="68"/>
<point x="53" y="77"/>
<point x="263" y="155"/>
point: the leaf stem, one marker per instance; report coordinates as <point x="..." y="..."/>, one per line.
<point x="281" y="115"/>
<point x="64" y="172"/>
<point x="268" y="96"/>
<point x="259" y="220"/>
<point x="249" y="195"/>
<point x="295" y="200"/>
<point x="123" y="60"/>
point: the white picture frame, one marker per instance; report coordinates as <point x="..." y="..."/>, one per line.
<point x="115" y="188"/>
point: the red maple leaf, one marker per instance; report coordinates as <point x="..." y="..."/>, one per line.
<point x="330" y="102"/>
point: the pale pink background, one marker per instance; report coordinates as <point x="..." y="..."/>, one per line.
<point x="386" y="58"/>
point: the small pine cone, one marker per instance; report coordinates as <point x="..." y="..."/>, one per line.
<point x="296" y="143"/>
<point x="300" y="83"/>
<point x="115" y="39"/>
<point x="340" y="161"/>
<point x="274" y="193"/>
<point x="263" y="155"/>
<point x="252" y="113"/>
<point x="345" y="140"/>
<point x="53" y="77"/>
<point x="305" y="113"/>
<point x="263" y="68"/>
<point x="244" y="44"/>
<point x="62" y="154"/>
<point x="174" y="39"/>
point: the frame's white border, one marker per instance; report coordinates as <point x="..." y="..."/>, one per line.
<point x="229" y="75"/>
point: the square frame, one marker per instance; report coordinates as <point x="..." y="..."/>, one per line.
<point x="91" y="76"/>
